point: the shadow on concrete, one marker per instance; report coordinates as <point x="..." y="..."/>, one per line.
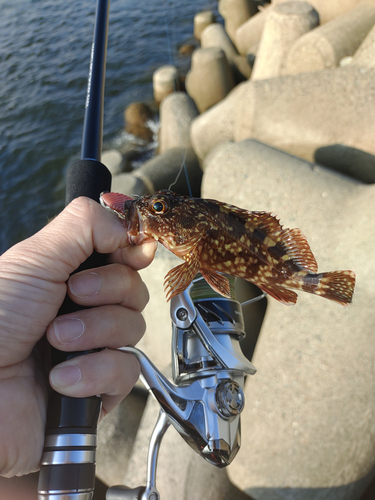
<point x="347" y="160"/>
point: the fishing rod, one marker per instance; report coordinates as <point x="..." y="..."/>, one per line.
<point x="209" y="370"/>
<point x="69" y="456"/>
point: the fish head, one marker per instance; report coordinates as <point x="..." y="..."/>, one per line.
<point x="164" y="216"/>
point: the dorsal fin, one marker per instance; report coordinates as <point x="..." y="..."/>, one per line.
<point x="262" y="225"/>
<point x="298" y="249"/>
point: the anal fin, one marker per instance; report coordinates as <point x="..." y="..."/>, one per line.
<point x="283" y="295"/>
<point x="217" y="282"/>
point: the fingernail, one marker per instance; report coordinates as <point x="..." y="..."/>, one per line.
<point x="85" y="285"/>
<point x="65" y="376"/>
<point x="68" y="329"/>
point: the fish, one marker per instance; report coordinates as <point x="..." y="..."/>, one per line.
<point x="218" y="239"/>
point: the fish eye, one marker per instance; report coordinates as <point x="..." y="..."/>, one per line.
<point x="160" y="207"/>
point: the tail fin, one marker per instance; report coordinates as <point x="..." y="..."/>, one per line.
<point x="337" y="285"/>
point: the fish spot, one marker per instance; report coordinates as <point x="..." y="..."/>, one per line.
<point x="270" y="243"/>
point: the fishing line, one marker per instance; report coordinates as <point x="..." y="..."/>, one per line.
<point x="171" y="61"/>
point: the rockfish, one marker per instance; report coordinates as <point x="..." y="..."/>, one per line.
<point x="216" y="238"/>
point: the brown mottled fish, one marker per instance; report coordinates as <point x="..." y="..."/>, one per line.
<point x="215" y="238"/>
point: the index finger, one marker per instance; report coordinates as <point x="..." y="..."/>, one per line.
<point x="137" y="257"/>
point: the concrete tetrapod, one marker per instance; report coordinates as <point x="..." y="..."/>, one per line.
<point x="160" y="172"/>
<point x="201" y="21"/>
<point x="210" y="78"/>
<point x="235" y="13"/>
<point x="329" y="10"/>
<point x="325" y="46"/>
<point x="177" y="111"/>
<point x="296" y="113"/>
<point x="216" y="36"/>
<point x="308" y="427"/>
<point x="284" y="25"/>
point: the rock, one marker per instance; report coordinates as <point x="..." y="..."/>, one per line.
<point x="308" y="427"/>
<point x="187" y="49"/>
<point x="113" y="160"/>
<point x="165" y="81"/>
<point x="235" y="13"/>
<point x="136" y="117"/>
<point x="284" y="25"/>
<point x="201" y="21"/>
<point x="215" y="36"/>
<point x="249" y="33"/>
<point x="210" y="78"/>
<point x="162" y="171"/>
<point x="176" y="114"/>
<point x="297" y="113"/>
<point x="326" y="45"/>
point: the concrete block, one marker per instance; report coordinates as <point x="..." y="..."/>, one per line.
<point x="364" y="55"/>
<point x="177" y="111"/>
<point x="156" y="341"/>
<point x="284" y="25"/>
<point x="325" y="46"/>
<point x="201" y="21"/>
<point x="162" y="171"/>
<point x="131" y="183"/>
<point x="329" y="10"/>
<point x="165" y="81"/>
<point x="235" y="13"/>
<point x="249" y="33"/>
<point x="216" y="36"/>
<point x="302" y="113"/>
<point x="113" y="160"/>
<point x="297" y="113"/>
<point x="210" y="78"/>
<point x="308" y="426"/>
<point x="116" y="436"/>
<point x="215" y="125"/>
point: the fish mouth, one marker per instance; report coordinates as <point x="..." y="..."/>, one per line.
<point x="135" y="224"/>
<point x="126" y="209"/>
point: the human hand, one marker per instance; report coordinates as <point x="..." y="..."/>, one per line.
<point x="33" y="276"/>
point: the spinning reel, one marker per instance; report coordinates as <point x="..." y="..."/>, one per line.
<point x="208" y="369"/>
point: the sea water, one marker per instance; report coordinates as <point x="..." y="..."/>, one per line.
<point x="44" y="61"/>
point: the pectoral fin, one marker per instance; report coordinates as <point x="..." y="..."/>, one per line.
<point x="179" y="278"/>
<point x="217" y="282"/>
